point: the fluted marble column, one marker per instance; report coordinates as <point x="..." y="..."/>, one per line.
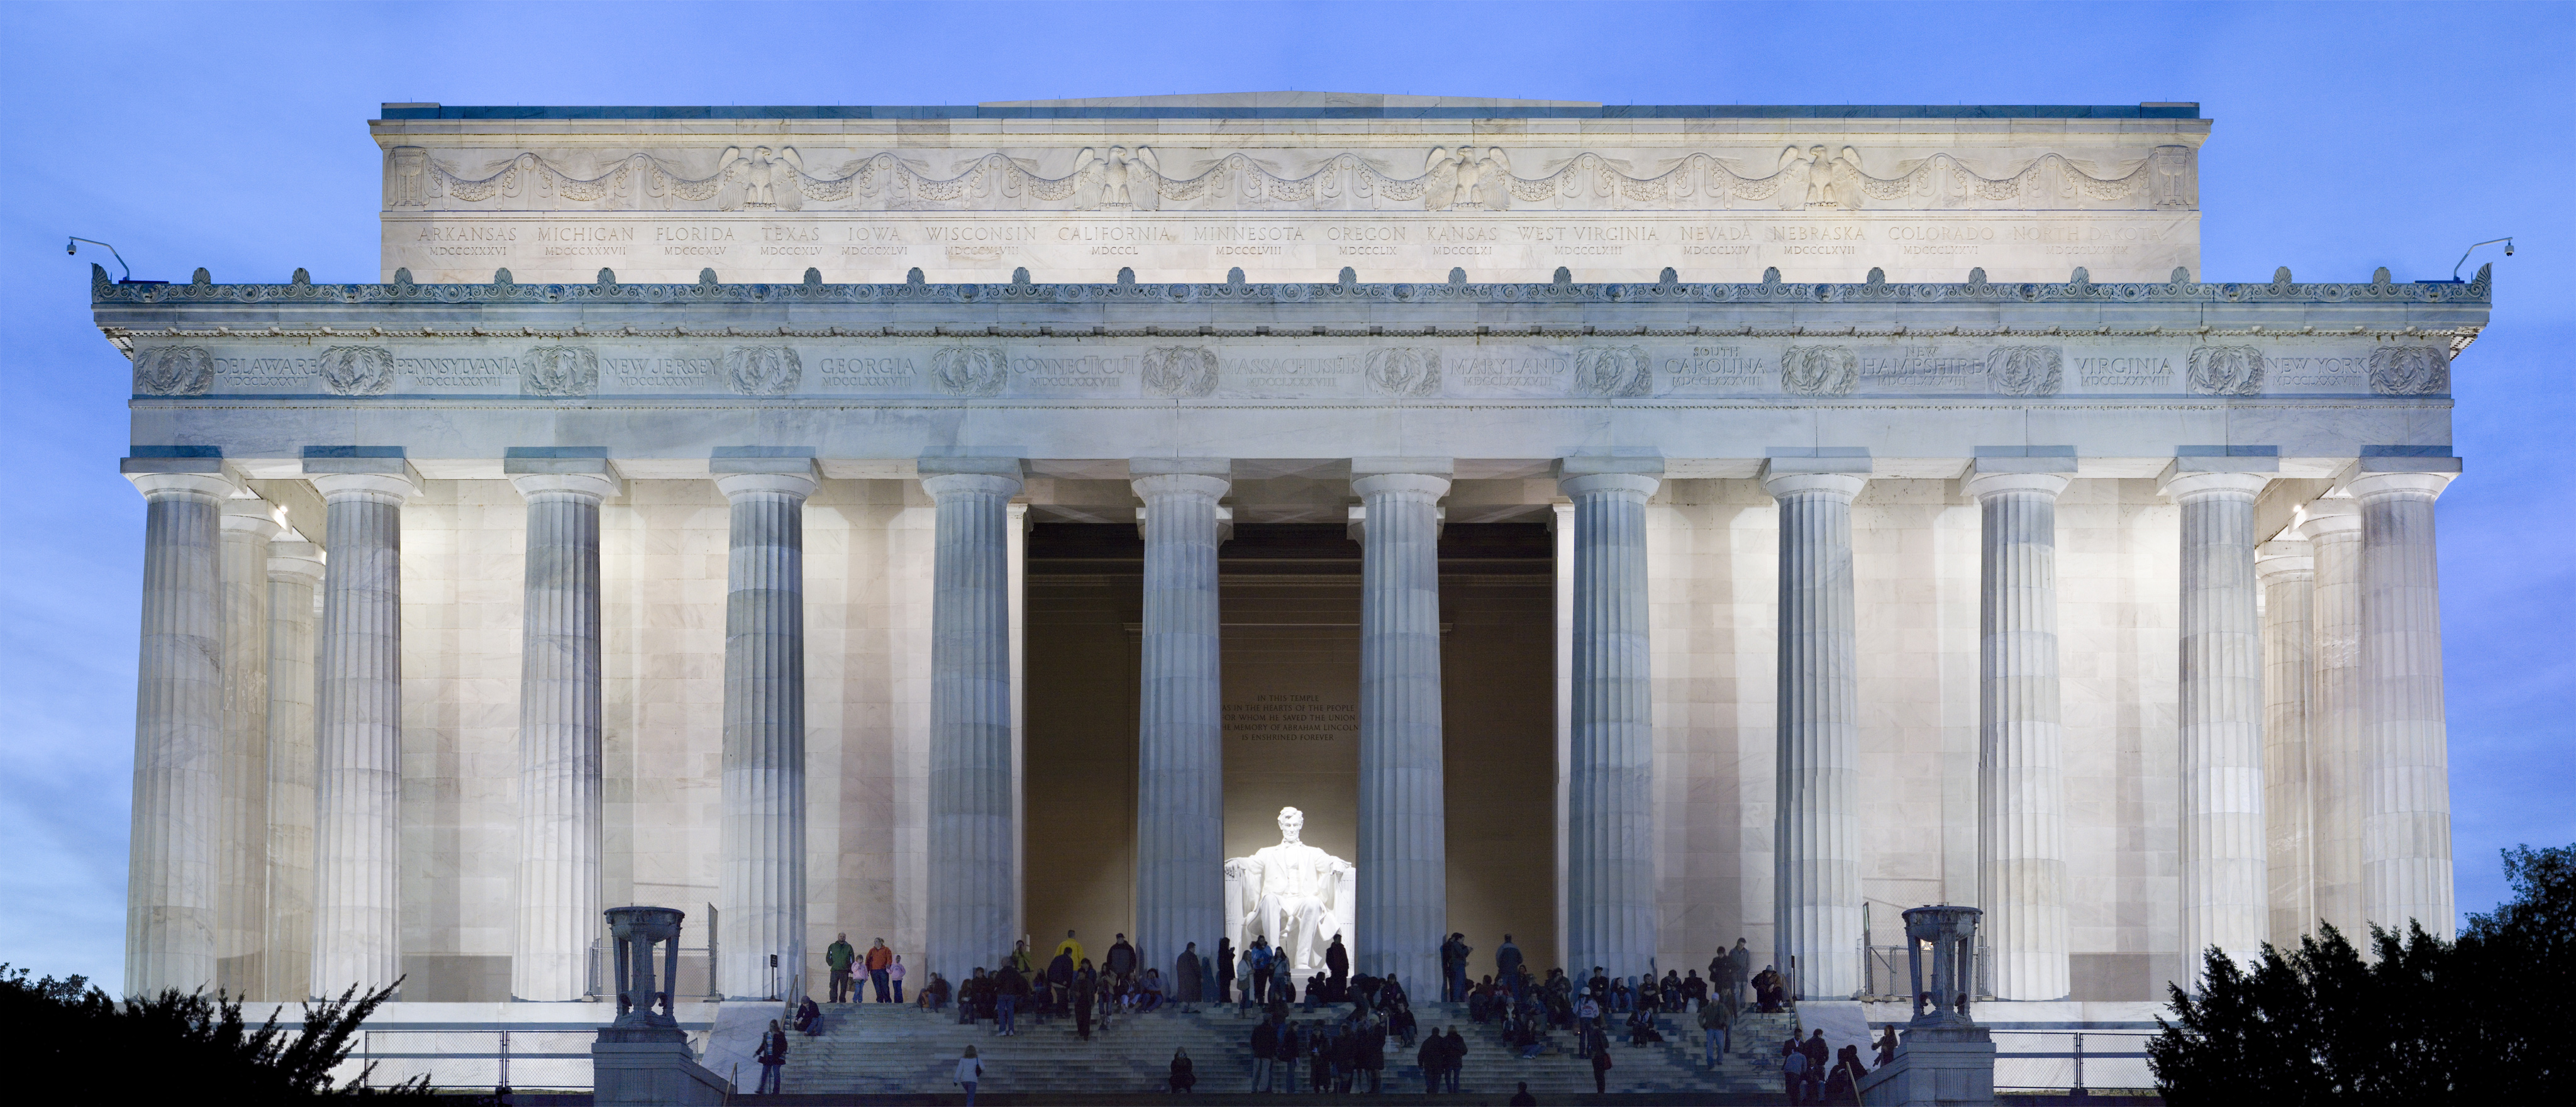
<point x="2021" y="759"/>
<point x="1403" y="859"/>
<point x="241" y="849"/>
<point x="294" y="583"/>
<point x="2333" y="531"/>
<point x="971" y="834"/>
<point x="2406" y="774"/>
<point x="2225" y="894"/>
<point x="760" y="885"/>
<point x="1180" y="757"/>
<point x="178" y="731"/>
<point x="559" y="731"/>
<point x="1816" y="901"/>
<point x="2288" y="573"/>
<point x="1610" y="863"/>
<point x="357" y="925"/>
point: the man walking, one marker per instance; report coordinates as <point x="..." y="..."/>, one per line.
<point x="879" y="958"/>
<point x="1717" y="1024"/>
<point x="839" y="957"/>
<point x="1457" y="1059"/>
<point x="772" y="1058"/>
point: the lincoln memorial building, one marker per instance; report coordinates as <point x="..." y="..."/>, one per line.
<point x="1628" y="528"/>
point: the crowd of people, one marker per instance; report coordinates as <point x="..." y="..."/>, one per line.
<point x="1332" y="1030"/>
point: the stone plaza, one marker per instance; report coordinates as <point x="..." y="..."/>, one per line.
<point x="1628" y="528"/>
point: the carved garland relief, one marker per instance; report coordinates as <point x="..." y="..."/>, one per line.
<point x="1797" y="178"/>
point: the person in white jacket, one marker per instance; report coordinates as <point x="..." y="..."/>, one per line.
<point x="970" y="1072"/>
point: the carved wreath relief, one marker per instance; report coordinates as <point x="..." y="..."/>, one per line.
<point x="970" y="370"/>
<point x="1405" y="371"/>
<point x="1613" y="372"/>
<point x="1121" y="178"/>
<point x="2226" y="371"/>
<point x="1818" y="370"/>
<point x="1180" y="370"/>
<point x="763" y="370"/>
<point x="2026" y="370"/>
<point x="173" y="371"/>
<point x="2410" y="370"/>
<point x="357" y="370"/>
<point x="559" y="371"/>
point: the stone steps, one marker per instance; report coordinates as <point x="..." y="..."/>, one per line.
<point x="872" y="1049"/>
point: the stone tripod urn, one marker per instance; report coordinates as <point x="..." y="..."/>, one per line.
<point x="636" y="930"/>
<point x="1946" y="1059"/>
<point x="644" y="1056"/>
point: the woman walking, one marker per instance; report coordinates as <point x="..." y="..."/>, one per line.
<point x="1184" y="1077"/>
<point x="970" y="1072"/>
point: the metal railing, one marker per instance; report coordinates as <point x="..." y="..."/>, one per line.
<point x="373" y="1047"/>
<point x="2078" y="1051"/>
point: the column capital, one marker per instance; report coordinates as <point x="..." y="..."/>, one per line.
<point x="253" y="516"/>
<point x="1416" y="482"/>
<point x="295" y="562"/>
<point x="1844" y="485"/>
<point x="582" y="470"/>
<point x="1177" y="484"/>
<point x="737" y="485"/>
<point x="361" y="470"/>
<point x="2192" y="485"/>
<point x="2284" y="559"/>
<point x="189" y="476"/>
<point x="399" y="488"/>
<point x="2320" y="519"/>
<point x="2373" y="477"/>
<point x="597" y="486"/>
<point x="1981" y="485"/>
<point x="2206" y="470"/>
<point x="945" y="485"/>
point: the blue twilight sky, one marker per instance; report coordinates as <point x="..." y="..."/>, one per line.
<point x="233" y="137"/>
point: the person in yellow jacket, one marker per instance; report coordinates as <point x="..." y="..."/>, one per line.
<point x="1071" y="947"/>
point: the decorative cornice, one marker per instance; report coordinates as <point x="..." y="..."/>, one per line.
<point x="1349" y="291"/>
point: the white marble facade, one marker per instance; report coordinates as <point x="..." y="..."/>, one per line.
<point x="1686" y="389"/>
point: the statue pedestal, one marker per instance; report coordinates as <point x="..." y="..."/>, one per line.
<point x="650" y="1066"/>
<point x="1938" y="1066"/>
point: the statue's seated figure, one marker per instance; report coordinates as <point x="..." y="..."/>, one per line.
<point x="1295" y="895"/>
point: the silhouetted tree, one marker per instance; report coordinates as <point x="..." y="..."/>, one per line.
<point x="2420" y="1021"/>
<point x="81" y="1046"/>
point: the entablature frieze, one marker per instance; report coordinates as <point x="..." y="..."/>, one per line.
<point x="1342" y="341"/>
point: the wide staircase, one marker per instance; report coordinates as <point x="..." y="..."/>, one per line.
<point x="872" y="1048"/>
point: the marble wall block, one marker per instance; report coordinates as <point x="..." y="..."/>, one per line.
<point x="1712" y="553"/>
